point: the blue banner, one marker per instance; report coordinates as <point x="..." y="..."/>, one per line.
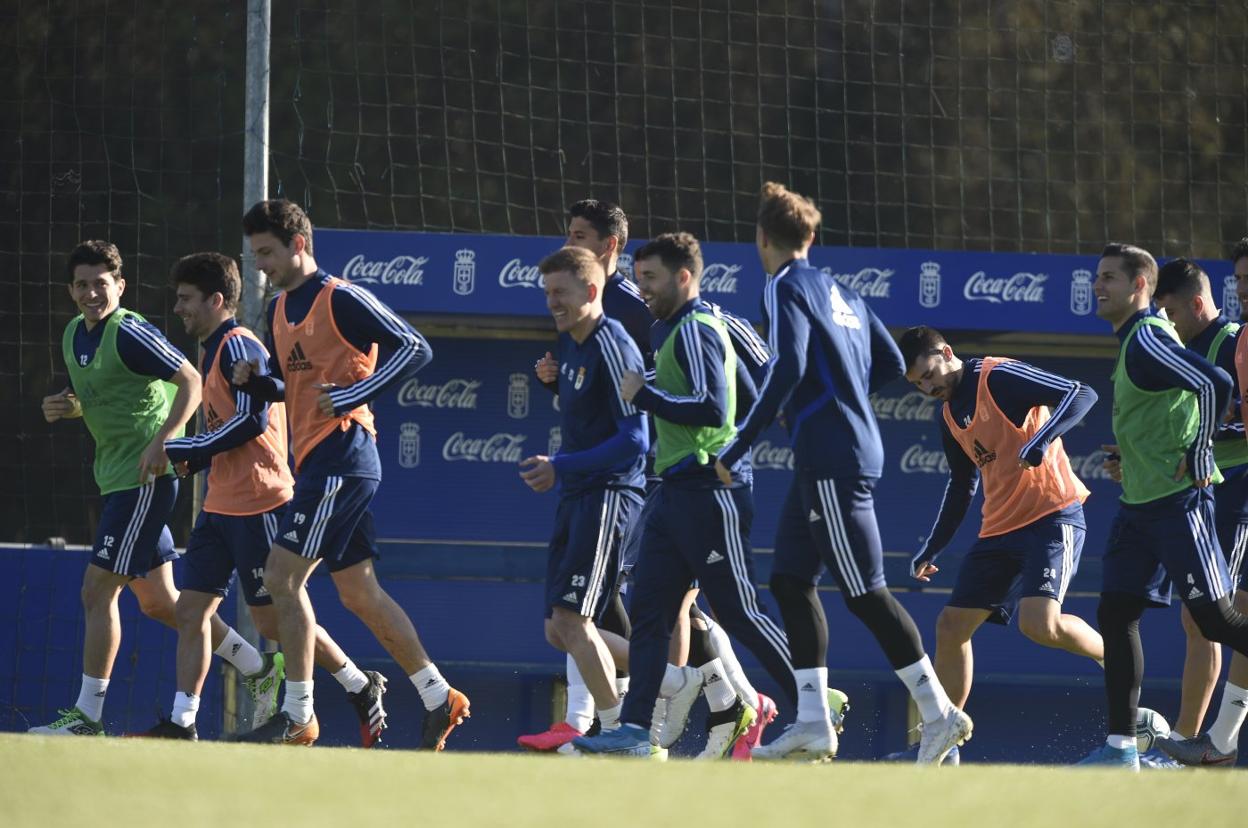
<point x="451" y="439"/>
<point x="497" y="275"/>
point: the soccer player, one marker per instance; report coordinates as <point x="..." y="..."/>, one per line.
<point x="600" y="470"/>
<point x="1186" y="295"/>
<point x="830" y="351"/>
<point x="1239" y="261"/>
<point x="697" y="527"/>
<point x="334" y="347"/>
<point x="249" y="484"/>
<point x="134" y="390"/>
<point x="1167" y="403"/>
<point x="1002" y="422"/>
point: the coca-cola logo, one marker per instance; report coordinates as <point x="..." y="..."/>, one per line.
<point x="517" y="274"/>
<point x="870" y="282"/>
<point x="1089" y="466"/>
<point x="401" y="270"/>
<point x="719" y="278"/>
<point x="1021" y="287"/>
<point x="910" y="407"/>
<point x="454" y="393"/>
<point x="768" y="456"/>
<point x="920" y="460"/>
<point x="497" y="448"/>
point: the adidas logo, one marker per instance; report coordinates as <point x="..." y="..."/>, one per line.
<point x="1239" y="703"/>
<point x="297" y="360"/>
<point x="808" y="687"/>
<point x="1195" y="593"/>
<point x="234" y="650"/>
<point x="1047" y="587"/>
<point x="103" y="554"/>
<point x="983" y="455"/>
<point x="571" y="596"/>
<point x="211" y="418"/>
<point x="714" y="678"/>
<point x="292" y="536"/>
<point x="714" y="557"/>
<point x="262" y="592"/>
<point x="431" y="682"/>
<point x="304" y="697"/>
<point x="101" y="694"/>
<point x="814" y="518"/>
<point x="923" y="679"/>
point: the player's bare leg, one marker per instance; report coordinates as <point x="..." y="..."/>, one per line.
<point x="955" y="659"/>
<point x="576" y="635"/>
<point x="1202" y="666"/>
<point x="1042" y="620"/>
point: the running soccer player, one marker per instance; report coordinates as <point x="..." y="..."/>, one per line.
<point x="1186" y="295"/>
<point x="600" y="470"/>
<point x="1002" y="422"/>
<point x="334" y="347"/>
<point x="830" y="351"/>
<point x="249" y="484"/>
<point x="697" y="527"/>
<point x="134" y="390"/>
<point x="1167" y="403"/>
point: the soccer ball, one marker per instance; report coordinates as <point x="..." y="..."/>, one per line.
<point x="1149" y="727"/>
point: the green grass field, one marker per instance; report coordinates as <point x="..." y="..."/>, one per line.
<point x="137" y="783"/>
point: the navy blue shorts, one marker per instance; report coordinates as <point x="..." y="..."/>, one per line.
<point x="329" y="518"/>
<point x="1036" y="561"/>
<point x="632" y="544"/>
<point x="221" y="544"/>
<point x="132" y="538"/>
<point x="831" y="522"/>
<point x="583" y="562"/>
<point x="1231" y="511"/>
<point x="1167" y="541"/>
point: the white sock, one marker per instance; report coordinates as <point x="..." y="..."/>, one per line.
<point x="580" y="702"/>
<point x="732" y="667"/>
<point x="673" y="680"/>
<point x="1225" y="730"/>
<point x="432" y="687"/>
<point x="351" y="678"/>
<point x="926" y="690"/>
<point x="185" y="706"/>
<point x="239" y="652"/>
<point x="621" y="686"/>
<point x="719" y="693"/>
<point x="1120" y="742"/>
<point x="609" y="718"/>
<point x="812" y="694"/>
<point x="91" y="697"/>
<point x="298" y="701"/>
<point x="1176" y="736"/>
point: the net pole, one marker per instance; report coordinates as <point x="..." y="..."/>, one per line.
<point x="238" y="706"/>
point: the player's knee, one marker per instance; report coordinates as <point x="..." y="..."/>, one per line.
<point x="787" y="589"/>
<point x="1041" y="629"/>
<point x="951" y="627"/>
<point x="553" y="638"/>
<point x="359" y="599"/>
<point x="159" y="607"/>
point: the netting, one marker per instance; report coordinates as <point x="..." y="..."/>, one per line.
<point x="1036" y="126"/>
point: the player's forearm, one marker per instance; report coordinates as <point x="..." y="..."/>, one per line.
<point x="1067" y="414"/>
<point x="953" y="508"/>
<point x="707" y="409"/>
<point x="624" y="446"/>
<point x="185" y="401"/>
<point x="234" y="432"/>
<point x="413" y="354"/>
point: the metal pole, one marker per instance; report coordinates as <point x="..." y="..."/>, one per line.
<point x="238" y="706"/>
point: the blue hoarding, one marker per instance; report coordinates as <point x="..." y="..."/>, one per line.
<point x="497" y="275"/>
<point x="451" y="438"/>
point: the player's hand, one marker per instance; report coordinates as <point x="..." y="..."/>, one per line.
<point x="1181" y="472"/>
<point x="182" y="469"/>
<point x="923" y="571"/>
<point x="153" y="462"/>
<point x="324" y="402"/>
<point x="538" y="473"/>
<point x="547" y="369"/>
<point x="630" y="383"/>
<point x="1024" y="463"/>
<point x="722" y="471"/>
<point x="62" y="406"/>
<point x="244" y="370"/>
<point x="1113" y="462"/>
